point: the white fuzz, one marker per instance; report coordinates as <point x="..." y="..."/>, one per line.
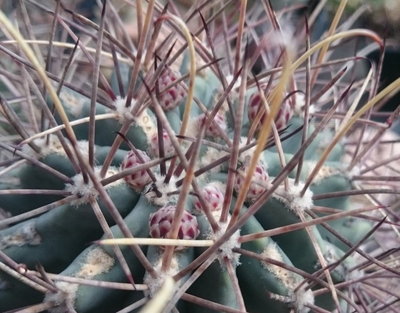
<point x="217" y="184"/>
<point x="147" y="123"/>
<point x="193" y="127"/>
<point x="51" y="145"/>
<point x="288" y="278"/>
<point x="299" y="107"/>
<point x="355" y="274"/>
<point x="303" y="297"/>
<point x="3" y="215"/>
<point x="47" y="145"/>
<point x="324" y="172"/>
<point x="248" y="154"/>
<point x="225" y="250"/>
<point x="73" y="104"/>
<point x="85" y="192"/>
<point x="355" y="171"/>
<point x="144" y="120"/>
<point x="292" y="199"/>
<point x="237" y="83"/>
<point x="210" y="156"/>
<point x="64" y="298"/>
<point x="97" y="261"/>
<point x="154" y="284"/>
<point x="164" y="189"/>
<point x="124" y="113"/>
<point x="298" y="299"/>
<point x="24" y="235"/>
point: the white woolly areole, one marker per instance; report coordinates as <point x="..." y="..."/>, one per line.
<point x="217" y="184"/>
<point x="246" y="156"/>
<point x="146" y="122"/>
<point x="287" y="278"/>
<point x="85" y="192"/>
<point x="299" y="107"/>
<point x="73" y="104"/>
<point x="193" y="127"/>
<point x="225" y="250"/>
<point x="25" y="235"/>
<point x="355" y="171"/>
<point x="155" y="283"/>
<point x="302" y="298"/>
<point x="124" y="113"/>
<point x="237" y="83"/>
<point x="324" y="172"/>
<point x="97" y="261"/>
<point x="210" y="156"/>
<point x="51" y="145"/>
<point x="165" y="189"/>
<point x="64" y="298"/>
<point x="292" y="198"/>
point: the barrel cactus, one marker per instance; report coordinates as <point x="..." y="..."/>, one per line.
<point x="214" y="162"/>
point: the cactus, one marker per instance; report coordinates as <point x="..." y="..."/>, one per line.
<point x="184" y="170"/>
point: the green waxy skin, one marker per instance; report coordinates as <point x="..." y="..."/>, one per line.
<point x="94" y="299"/>
<point x="29" y="176"/>
<point x="272" y="160"/>
<point x="206" y="86"/>
<point x="256" y="281"/>
<point x="349" y="228"/>
<point x="52" y="231"/>
<point x="215" y="273"/>
<point x="180" y="259"/>
<point x="17" y="204"/>
<point x="33" y="176"/>
<point x="11" y="294"/>
<point x="315" y="149"/>
<point x="297" y="245"/>
<point x="78" y="106"/>
<point x="223" y="294"/>
<point x="61" y="240"/>
<point x="334" y="183"/>
<point x="174" y="119"/>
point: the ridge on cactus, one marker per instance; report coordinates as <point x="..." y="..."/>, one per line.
<point x="221" y="156"/>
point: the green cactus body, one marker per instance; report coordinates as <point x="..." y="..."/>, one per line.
<point x="260" y="281"/>
<point x="28" y="242"/>
<point x="224" y="294"/>
<point x="217" y="273"/>
<point x="100" y="263"/>
<point x="29" y="176"/>
<point x="314" y="150"/>
<point x="194" y="185"/>
<point x="180" y="260"/>
<point x="78" y="106"/>
<point x="297" y="245"/>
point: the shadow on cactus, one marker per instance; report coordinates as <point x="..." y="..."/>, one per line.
<point x="152" y="171"/>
